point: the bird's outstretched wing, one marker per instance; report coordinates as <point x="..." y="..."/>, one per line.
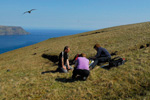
<point x="32" y="9"/>
<point x="25" y="12"/>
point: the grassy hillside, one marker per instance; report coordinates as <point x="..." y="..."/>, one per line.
<point x="27" y="73"/>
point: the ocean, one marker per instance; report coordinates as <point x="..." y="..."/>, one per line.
<point x="12" y="42"/>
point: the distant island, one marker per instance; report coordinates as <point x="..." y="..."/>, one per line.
<point x="12" y="30"/>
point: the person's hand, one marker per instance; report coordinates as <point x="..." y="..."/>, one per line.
<point x="69" y="68"/>
<point x="64" y="67"/>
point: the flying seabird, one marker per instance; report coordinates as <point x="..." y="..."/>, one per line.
<point x="29" y="11"/>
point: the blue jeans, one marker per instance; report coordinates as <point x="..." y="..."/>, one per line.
<point x="99" y="60"/>
<point x="62" y="70"/>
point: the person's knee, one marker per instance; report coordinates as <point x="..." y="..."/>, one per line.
<point x="63" y="70"/>
<point x="71" y="67"/>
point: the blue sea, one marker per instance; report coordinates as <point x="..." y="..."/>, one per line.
<point x="12" y="42"/>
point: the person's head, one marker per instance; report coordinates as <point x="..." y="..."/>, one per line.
<point x="83" y="55"/>
<point x="66" y="49"/>
<point x="96" y="46"/>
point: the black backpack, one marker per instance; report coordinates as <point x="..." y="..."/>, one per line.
<point x="117" y="61"/>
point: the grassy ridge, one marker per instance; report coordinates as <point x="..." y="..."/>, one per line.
<point x="21" y="78"/>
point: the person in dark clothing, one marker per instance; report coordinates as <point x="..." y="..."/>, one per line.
<point x="81" y="68"/>
<point x="63" y="65"/>
<point x="102" y="56"/>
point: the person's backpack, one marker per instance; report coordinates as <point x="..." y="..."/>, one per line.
<point x="117" y="61"/>
<point x="75" y="58"/>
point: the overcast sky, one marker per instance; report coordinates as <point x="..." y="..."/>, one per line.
<point x="73" y="14"/>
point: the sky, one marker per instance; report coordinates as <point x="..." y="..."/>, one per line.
<point x="73" y="14"/>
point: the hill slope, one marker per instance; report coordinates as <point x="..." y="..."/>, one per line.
<point x="27" y="74"/>
<point x="12" y="30"/>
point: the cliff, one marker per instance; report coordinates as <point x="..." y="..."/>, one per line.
<point x="12" y="30"/>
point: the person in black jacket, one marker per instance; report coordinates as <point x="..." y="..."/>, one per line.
<point x="102" y="55"/>
<point x="63" y="65"/>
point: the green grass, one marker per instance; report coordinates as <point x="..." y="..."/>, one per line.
<point x="24" y="80"/>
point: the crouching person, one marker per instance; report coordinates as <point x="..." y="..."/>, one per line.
<point x="81" y="67"/>
<point x="63" y="65"/>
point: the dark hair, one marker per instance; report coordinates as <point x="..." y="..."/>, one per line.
<point x="83" y="55"/>
<point x="96" y="46"/>
<point x="66" y="47"/>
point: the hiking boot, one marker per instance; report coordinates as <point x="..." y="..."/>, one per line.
<point x="84" y="78"/>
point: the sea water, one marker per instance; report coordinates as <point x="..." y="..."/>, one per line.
<point x="12" y="42"/>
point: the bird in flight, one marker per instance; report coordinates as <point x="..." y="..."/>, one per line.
<point x="29" y="11"/>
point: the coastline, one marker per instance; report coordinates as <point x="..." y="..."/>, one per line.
<point x="13" y="42"/>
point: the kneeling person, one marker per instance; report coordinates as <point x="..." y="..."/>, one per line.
<point x="63" y="65"/>
<point x="81" y="67"/>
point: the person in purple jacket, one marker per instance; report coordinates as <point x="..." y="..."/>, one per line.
<point x="81" y="67"/>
